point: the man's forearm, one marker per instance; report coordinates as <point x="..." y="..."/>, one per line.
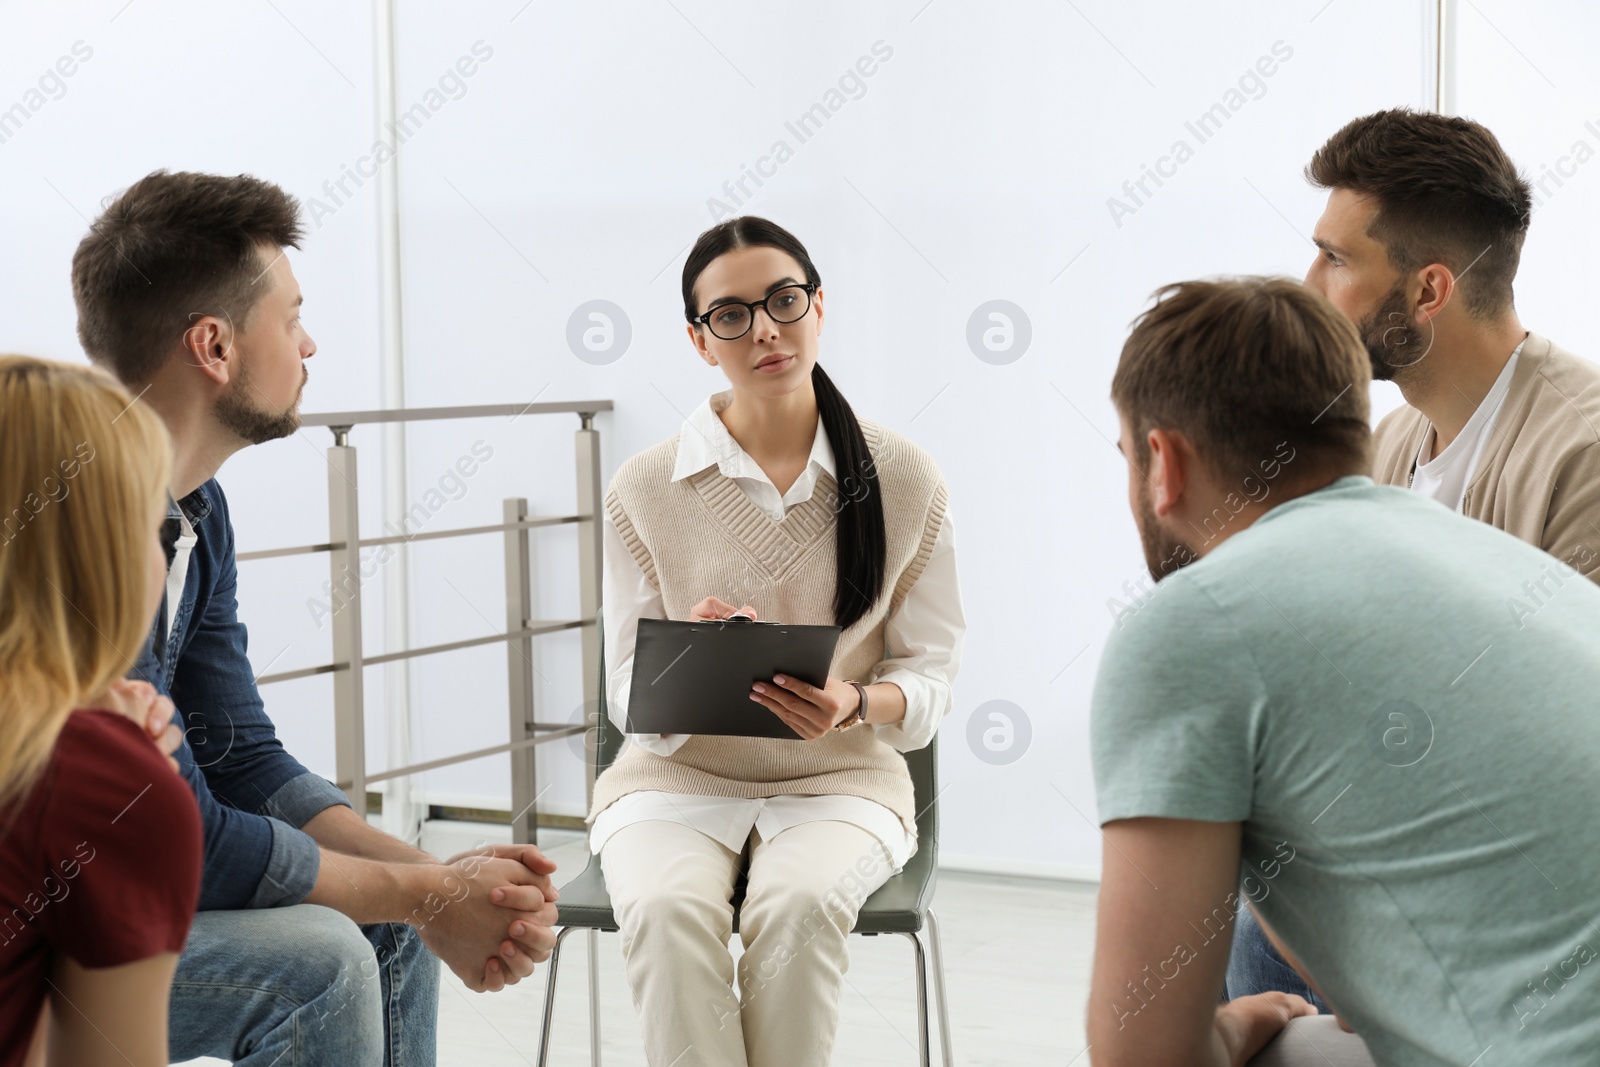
<point x="486" y="917"/>
<point x="1125" y="1043"/>
<point x="1229" y="1043"/>
<point x="374" y="891"/>
<point x="342" y="830"/>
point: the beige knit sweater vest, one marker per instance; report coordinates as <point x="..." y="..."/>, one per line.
<point x="701" y="536"/>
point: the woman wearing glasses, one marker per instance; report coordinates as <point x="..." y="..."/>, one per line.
<point x="773" y="500"/>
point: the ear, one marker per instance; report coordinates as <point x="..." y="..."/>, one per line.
<point x="816" y="305"/>
<point x="208" y="344"/>
<point x="1169" y="469"/>
<point x="697" y="337"/>
<point x="1437" y="287"/>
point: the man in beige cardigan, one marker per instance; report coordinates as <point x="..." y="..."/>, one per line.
<point x="1419" y="245"/>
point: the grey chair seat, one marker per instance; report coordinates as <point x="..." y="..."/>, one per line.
<point x="585" y="902"/>
<point x="896" y="908"/>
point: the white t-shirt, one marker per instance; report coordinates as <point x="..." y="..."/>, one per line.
<point x="179" y="571"/>
<point x="1444" y="477"/>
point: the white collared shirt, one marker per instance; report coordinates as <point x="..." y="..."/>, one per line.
<point x="1445" y="476"/>
<point x="924" y="637"/>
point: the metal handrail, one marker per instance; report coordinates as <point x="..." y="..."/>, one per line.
<point x="341" y="422"/>
<point x="344" y="547"/>
<point x="398" y="539"/>
<point x="533" y="630"/>
<point x="471" y="411"/>
<point x="560" y="730"/>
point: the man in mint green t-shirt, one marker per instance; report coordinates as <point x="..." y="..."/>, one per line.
<point x="1372" y="718"/>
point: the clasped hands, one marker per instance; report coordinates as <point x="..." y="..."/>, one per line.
<point x="491" y="918"/>
<point x="807" y="710"/>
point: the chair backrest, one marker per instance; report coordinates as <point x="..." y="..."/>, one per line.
<point x="923" y="763"/>
<point x="608" y="736"/>
<point x="924" y="766"/>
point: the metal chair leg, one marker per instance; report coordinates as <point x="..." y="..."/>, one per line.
<point x="921" y="963"/>
<point x="550" y="997"/>
<point x="936" y="954"/>
<point x="594" y="998"/>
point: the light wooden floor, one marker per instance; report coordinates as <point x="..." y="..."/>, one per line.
<point x="1017" y="955"/>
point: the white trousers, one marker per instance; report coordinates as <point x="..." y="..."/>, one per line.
<point x="671" y="888"/>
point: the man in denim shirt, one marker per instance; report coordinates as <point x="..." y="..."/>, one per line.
<point x="312" y="945"/>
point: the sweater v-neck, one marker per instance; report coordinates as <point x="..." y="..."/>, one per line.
<point x="775" y="544"/>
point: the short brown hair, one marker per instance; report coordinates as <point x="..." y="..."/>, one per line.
<point x="1446" y="193"/>
<point x="1241" y="366"/>
<point x="171" y="247"/>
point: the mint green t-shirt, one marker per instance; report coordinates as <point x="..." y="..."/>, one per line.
<point x="1402" y="702"/>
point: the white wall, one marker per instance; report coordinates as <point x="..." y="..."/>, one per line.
<point x="576" y="163"/>
<point x="181" y="86"/>
<point x="1527" y="72"/>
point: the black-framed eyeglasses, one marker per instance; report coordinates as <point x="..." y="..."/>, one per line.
<point x="733" y="320"/>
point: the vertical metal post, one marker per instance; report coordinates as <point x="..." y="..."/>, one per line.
<point x="344" y="566"/>
<point x="401" y="817"/>
<point x="1447" y="58"/>
<point x="587" y="447"/>
<point x="1440" y="66"/>
<point x="594" y="997"/>
<point x="519" y="676"/>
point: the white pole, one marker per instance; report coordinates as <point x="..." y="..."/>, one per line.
<point x="1444" y="57"/>
<point x="400" y="816"/>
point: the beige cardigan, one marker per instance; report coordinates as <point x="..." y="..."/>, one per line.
<point x="1539" y="475"/>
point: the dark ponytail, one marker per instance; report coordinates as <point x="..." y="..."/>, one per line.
<point x="860" y="541"/>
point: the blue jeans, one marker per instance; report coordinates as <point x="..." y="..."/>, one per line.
<point x="303" y="986"/>
<point x="1254" y="966"/>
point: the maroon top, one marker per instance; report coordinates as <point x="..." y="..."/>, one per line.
<point x="100" y="862"/>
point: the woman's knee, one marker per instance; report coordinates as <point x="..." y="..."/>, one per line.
<point x="805" y="912"/>
<point x="674" y="911"/>
<point x="682" y="899"/>
<point x="814" y="898"/>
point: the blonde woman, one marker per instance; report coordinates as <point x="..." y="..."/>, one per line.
<point x="99" y="839"/>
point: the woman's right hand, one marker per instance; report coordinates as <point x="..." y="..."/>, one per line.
<point x="711" y="610"/>
<point x="148" y="709"/>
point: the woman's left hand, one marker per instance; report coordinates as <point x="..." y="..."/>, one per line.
<point x="805" y="709"/>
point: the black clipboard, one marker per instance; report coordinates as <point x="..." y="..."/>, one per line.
<point x="695" y="677"/>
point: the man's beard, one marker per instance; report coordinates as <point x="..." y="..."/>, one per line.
<point x="1394" y="343"/>
<point x="1163" y="553"/>
<point x="258" y="425"/>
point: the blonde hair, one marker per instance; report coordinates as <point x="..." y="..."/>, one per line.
<point x="83" y="483"/>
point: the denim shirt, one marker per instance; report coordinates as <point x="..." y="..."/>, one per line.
<point x="253" y="795"/>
